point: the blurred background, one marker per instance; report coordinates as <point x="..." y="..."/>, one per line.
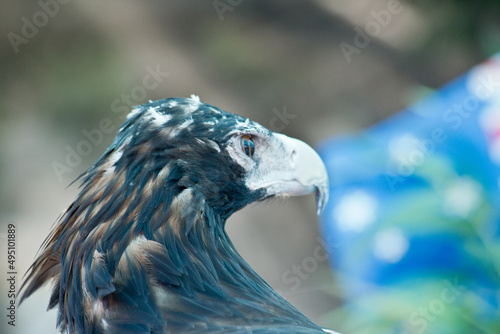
<point x="322" y="71"/>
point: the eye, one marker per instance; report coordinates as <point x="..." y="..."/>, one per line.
<point x="247" y="145"/>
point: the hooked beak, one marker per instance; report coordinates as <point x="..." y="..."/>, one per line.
<point x="296" y="170"/>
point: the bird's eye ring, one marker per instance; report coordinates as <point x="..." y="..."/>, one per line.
<point x="247" y="145"/>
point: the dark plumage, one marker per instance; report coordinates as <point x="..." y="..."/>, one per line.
<point x="143" y="247"/>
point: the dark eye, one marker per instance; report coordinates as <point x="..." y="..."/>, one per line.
<point x="247" y="145"/>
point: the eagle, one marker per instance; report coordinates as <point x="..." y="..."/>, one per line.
<point x="143" y="248"/>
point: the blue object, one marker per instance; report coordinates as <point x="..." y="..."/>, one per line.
<point x="414" y="213"/>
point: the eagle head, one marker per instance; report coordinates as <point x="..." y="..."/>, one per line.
<point x="225" y="159"/>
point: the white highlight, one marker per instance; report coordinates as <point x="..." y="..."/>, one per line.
<point x="213" y="145"/>
<point x="138" y="241"/>
<point x="462" y="197"/>
<point x="158" y="118"/>
<point x="329" y="331"/>
<point x="165" y="171"/>
<point x="175" y="130"/>
<point x="356" y="211"/>
<point x="403" y="146"/>
<point x="243" y="124"/>
<point x="390" y="245"/>
<point x="185" y="124"/>
<point x="113" y="159"/>
<point x="215" y="110"/>
<point x="170" y="104"/>
<point x="209" y="143"/>
<point x="98" y="308"/>
<point x="194" y="104"/>
<point x="134" y="112"/>
<point x="116" y="156"/>
<point x="195" y="98"/>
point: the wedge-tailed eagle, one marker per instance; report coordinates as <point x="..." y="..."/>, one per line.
<point x="143" y="248"/>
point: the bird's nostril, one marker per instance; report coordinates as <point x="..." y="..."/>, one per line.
<point x="293" y="156"/>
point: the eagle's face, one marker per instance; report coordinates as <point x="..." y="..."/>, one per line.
<point x="231" y="161"/>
